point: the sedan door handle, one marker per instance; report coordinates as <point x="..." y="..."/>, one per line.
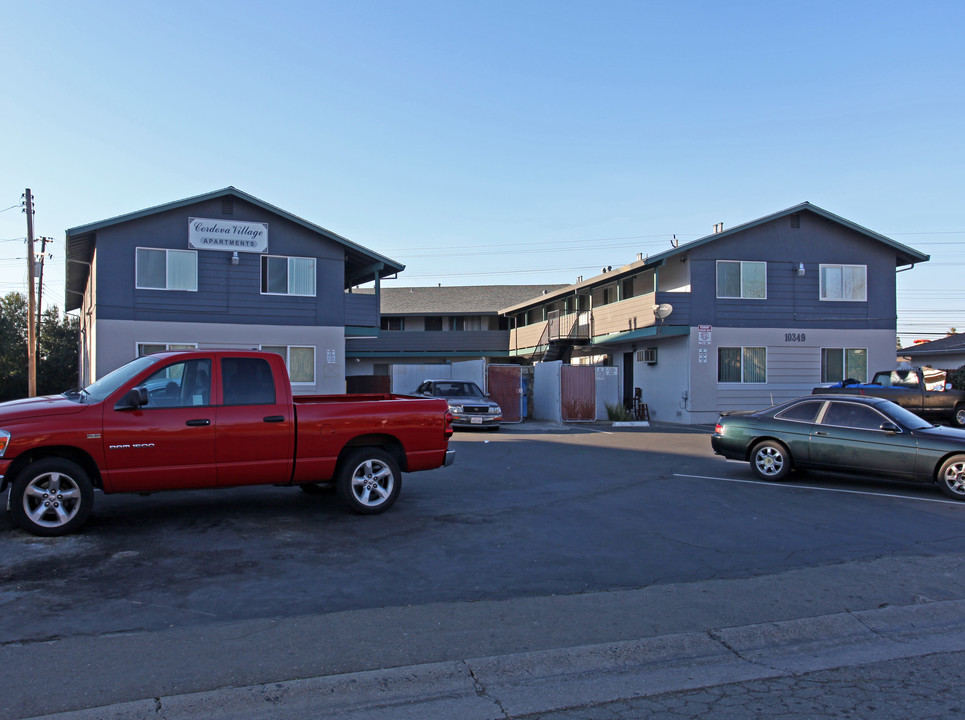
<point x="818" y="432"/>
<point x="200" y="422"/>
<point x="275" y="418"/>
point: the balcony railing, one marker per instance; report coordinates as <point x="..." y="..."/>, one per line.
<point x="627" y="315"/>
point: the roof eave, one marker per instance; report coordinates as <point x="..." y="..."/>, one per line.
<point x="595" y="281"/>
<point x="391" y="267"/>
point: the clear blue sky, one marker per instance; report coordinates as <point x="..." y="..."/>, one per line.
<point x="496" y="142"/>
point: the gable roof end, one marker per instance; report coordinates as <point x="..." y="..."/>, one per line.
<point x="904" y="255"/>
<point x="80" y="242"/>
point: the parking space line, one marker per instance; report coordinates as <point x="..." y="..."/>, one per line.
<point x="602" y="432"/>
<point x="823" y="489"/>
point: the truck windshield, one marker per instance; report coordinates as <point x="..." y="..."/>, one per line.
<point x="100" y="389"/>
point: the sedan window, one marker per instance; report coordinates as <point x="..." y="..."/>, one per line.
<point x="802" y="412"/>
<point x="853" y="415"/>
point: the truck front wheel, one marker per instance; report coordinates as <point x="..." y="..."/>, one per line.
<point x="51" y="497"/>
<point x="960" y="415"/>
<point x="368" y="480"/>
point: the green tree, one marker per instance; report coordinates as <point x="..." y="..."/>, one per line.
<point x="957" y="378"/>
<point x="13" y="347"/>
<point x="59" y="345"/>
<point x="56" y="361"/>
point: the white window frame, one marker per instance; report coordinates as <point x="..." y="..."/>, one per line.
<point x="844" y="366"/>
<point x="289" y="258"/>
<point x="822" y="291"/>
<point x="167" y="269"/>
<point x="287" y="357"/>
<point x="166" y="345"/>
<point x="743" y="380"/>
<point x="743" y="295"/>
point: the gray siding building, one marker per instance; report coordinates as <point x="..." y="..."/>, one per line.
<point x="741" y="319"/>
<point x="223" y="270"/>
<point x="437" y="325"/>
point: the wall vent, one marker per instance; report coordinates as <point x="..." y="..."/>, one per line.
<point x="227" y="206"/>
<point x="796" y="220"/>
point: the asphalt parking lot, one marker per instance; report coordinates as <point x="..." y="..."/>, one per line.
<point x="537" y="538"/>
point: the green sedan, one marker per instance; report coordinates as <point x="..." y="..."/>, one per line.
<point x="860" y="435"/>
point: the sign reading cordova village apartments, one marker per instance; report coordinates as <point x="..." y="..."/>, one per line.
<point x="230" y="235"/>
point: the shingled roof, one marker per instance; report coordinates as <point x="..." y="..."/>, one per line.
<point x="949" y="344"/>
<point x="457" y="300"/>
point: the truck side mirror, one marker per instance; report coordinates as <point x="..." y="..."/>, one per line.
<point x="133" y="399"/>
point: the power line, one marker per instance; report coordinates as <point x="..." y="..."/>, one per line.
<point x="931" y="232"/>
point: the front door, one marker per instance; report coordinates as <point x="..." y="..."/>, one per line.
<point x="628" y="394"/>
<point x="169" y="443"/>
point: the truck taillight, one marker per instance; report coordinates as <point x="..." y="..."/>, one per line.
<point x="448" y="417"/>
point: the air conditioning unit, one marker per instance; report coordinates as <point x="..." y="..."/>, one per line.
<point x="647" y="355"/>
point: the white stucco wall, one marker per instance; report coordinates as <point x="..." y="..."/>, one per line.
<point x="663" y="384"/>
<point x="674" y="276"/>
<point x="116" y="343"/>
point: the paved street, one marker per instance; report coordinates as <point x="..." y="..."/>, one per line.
<point x="629" y="563"/>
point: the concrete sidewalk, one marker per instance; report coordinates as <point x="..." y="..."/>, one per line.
<point x="501" y="659"/>
<point x="524" y="684"/>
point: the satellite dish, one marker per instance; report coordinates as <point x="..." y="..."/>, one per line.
<point x="663" y="311"/>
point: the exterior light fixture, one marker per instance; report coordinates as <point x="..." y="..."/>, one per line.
<point x="234" y="258"/>
<point x="799" y="269"/>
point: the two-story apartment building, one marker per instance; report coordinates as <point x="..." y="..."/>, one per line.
<point x="740" y="319"/>
<point x="223" y="269"/>
<point x="438" y="324"/>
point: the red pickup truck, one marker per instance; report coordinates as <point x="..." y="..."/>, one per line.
<point x="200" y="419"/>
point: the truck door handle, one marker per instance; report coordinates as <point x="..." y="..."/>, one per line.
<point x="275" y="418"/>
<point x="200" y="422"/>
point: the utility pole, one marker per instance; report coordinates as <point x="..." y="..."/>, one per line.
<point x="31" y="301"/>
<point x="40" y="288"/>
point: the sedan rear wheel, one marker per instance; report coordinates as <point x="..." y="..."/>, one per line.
<point x="770" y="460"/>
<point x="951" y="477"/>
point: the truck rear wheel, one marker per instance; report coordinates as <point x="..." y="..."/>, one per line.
<point x="368" y="480"/>
<point x="51" y="497"/>
<point x="960" y="415"/>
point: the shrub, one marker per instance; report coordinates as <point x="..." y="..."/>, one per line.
<point x="957" y="378"/>
<point x="618" y="413"/>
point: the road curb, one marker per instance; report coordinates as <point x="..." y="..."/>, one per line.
<point x="519" y="684"/>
